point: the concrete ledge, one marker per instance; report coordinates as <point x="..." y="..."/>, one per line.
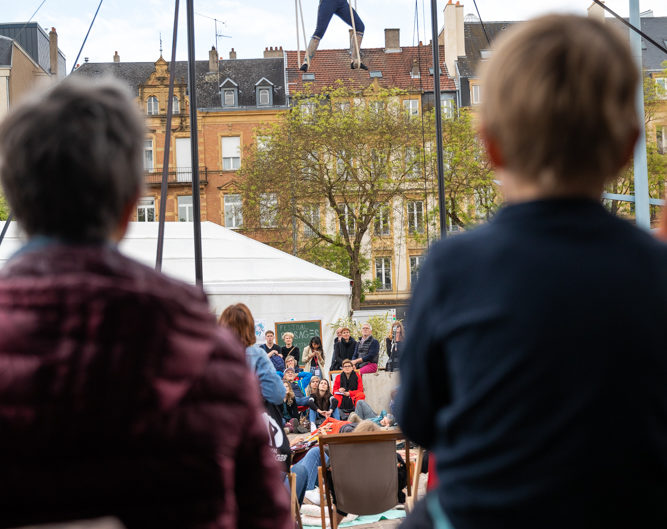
<point x="378" y="387"/>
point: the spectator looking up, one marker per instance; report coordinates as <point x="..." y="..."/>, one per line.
<point x="366" y="352"/>
<point x="394" y="346"/>
<point x="289" y="349"/>
<point x="343" y="349"/>
<point x="312" y="386"/>
<point x="288" y="378"/>
<point x="273" y="351"/>
<point x="538" y="413"/>
<point x="313" y="356"/>
<point x="109" y="368"/>
<point x="348" y="388"/>
<point x="322" y="405"/>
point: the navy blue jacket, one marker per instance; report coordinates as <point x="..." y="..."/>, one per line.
<point x="536" y="370"/>
<point x="373" y="351"/>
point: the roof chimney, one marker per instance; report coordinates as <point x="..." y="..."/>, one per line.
<point x="213" y="60"/>
<point x="232" y="54"/>
<point x="271" y="53"/>
<point x="392" y="40"/>
<point x="116" y="57"/>
<point x="53" y="52"/>
<point x="596" y="11"/>
<point x="453" y="38"/>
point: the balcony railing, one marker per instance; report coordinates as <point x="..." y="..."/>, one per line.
<point x="180" y="175"/>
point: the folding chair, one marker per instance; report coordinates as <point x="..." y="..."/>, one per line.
<point x="413" y="478"/>
<point x="294" y="501"/>
<point x="363" y="472"/>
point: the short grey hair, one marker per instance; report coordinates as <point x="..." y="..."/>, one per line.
<point x="71" y="159"/>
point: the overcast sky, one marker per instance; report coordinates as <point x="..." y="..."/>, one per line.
<point x="133" y="27"/>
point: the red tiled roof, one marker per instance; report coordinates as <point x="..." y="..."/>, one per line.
<point x="330" y="66"/>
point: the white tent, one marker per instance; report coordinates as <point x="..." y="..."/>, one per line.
<point x="275" y="285"/>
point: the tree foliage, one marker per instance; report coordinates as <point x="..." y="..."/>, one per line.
<point x="4" y="208"/>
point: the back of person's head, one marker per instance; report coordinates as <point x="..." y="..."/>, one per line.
<point x="559" y="100"/>
<point x="239" y="319"/>
<point x="367" y="426"/>
<point x="71" y="160"/>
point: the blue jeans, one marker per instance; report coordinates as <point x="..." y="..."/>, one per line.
<point x="306" y="471"/>
<point x="329" y="8"/>
<point x="312" y="415"/>
<point x="302" y="401"/>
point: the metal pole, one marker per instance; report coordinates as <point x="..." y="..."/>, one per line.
<point x="167" y="144"/>
<point x="438" y="118"/>
<point x="194" y="147"/>
<point x="642" y="210"/>
<point x="6" y="226"/>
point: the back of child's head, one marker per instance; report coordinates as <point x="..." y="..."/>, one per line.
<point x="559" y="99"/>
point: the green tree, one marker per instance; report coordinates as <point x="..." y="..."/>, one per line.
<point x="4" y="208"/>
<point x="324" y="173"/>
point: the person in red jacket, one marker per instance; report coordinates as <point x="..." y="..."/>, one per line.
<point x="348" y="388"/>
<point x="119" y="394"/>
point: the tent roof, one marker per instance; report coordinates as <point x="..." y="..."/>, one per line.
<point x="232" y="263"/>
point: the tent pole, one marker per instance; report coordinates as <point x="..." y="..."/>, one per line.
<point x="194" y="147"/>
<point x="167" y="144"/>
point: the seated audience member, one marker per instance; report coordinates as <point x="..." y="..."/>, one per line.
<point x="313" y="356"/>
<point x="118" y="391"/>
<point x="348" y="388"/>
<point x="312" y="386"/>
<point x="539" y="380"/>
<point x="395" y="346"/>
<point x="290" y="410"/>
<point x="289" y="349"/>
<point x="366" y="352"/>
<point x="343" y="349"/>
<point x="363" y="412"/>
<point x="322" y="405"/>
<point x="239" y="320"/>
<point x="300" y="398"/>
<point x="273" y="351"/>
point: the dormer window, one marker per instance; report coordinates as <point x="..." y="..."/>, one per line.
<point x="264" y="92"/>
<point x="152" y="108"/>
<point x="229" y="93"/>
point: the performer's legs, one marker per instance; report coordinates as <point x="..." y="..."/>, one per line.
<point x="324" y="13"/>
<point x="343" y="11"/>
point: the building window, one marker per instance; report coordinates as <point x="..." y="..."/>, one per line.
<point x="661" y="138"/>
<point x="152" y="107"/>
<point x="342" y="106"/>
<point x="263" y="96"/>
<point x="383" y="272"/>
<point x="229" y="97"/>
<point x="381" y="221"/>
<point x="349" y="220"/>
<point x="661" y="87"/>
<point x="447" y="106"/>
<point x="415" y="217"/>
<point x="175" y="105"/>
<point x="233" y="211"/>
<point x="268" y="210"/>
<point x="415" y="265"/>
<point x="231" y="153"/>
<point x="411" y="106"/>
<point x="312" y="214"/>
<point x="377" y="106"/>
<point x="185" y="208"/>
<point x="307" y="108"/>
<point x="146" y="210"/>
<point x="262" y="143"/>
<point x="148" y="155"/>
<point x="476" y="94"/>
<point x="412" y="163"/>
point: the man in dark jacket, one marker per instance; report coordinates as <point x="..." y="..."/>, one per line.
<point x="366" y="352"/>
<point x="119" y="394"/>
<point x="535" y="367"/>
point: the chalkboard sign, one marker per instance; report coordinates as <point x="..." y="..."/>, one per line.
<point x="303" y="331"/>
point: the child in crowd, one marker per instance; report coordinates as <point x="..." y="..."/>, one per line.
<point x="322" y="405"/>
<point x="536" y="376"/>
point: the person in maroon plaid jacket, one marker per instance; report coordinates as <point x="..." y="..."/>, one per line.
<point x="119" y="394"/>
